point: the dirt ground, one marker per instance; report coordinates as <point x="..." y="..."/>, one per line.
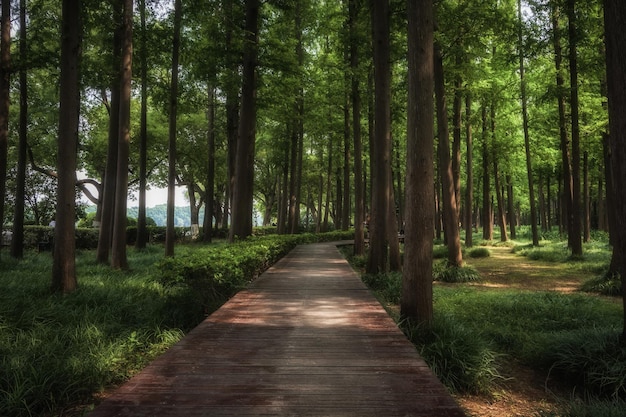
<point x="524" y="392"/>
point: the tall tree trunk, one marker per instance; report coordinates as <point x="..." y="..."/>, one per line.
<point x="64" y="262"/>
<point x="107" y="197"/>
<point x="345" y="214"/>
<point x="329" y="175"/>
<point x="293" y="156"/>
<point x="510" y="205"/>
<point x="17" y="244"/>
<point x="614" y="16"/>
<point x="469" y="187"/>
<point x="244" y="165"/>
<point x="586" y="200"/>
<point x="417" y="292"/>
<point x="5" y="85"/>
<point x="529" y="170"/>
<point x="577" y="247"/>
<point x="232" y="106"/>
<point x="142" y="231"/>
<point x="451" y="220"/>
<point x="118" y="251"/>
<point x="568" y="220"/>
<point x="381" y="146"/>
<point x="359" y="200"/>
<point x="496" y="179"/>
<point x="170" y="231"/>
<point x="209" y="200"/>
<point x="486" y="217"/>
<point x="456" y="139"/>
<point x="299" y="125"/>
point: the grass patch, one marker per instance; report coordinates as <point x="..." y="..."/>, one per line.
<point x="479" y="252"/>
<point x="606" y="284"/>
<point x="454" y="274"/>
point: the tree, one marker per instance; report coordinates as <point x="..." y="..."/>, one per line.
<point x="170" y="233"/>
<point x="64" y="266"/>
<point x="142" y="232"/>
<point x="5" y="85"/>
<point x="575" y="231"/>
<point x="469" y="187"/>
<point x="118" y="250"/>
<point x="614" y="16"/>
<point x="244" y="164"/>
<point x="524" y="98"/>
<point x="417" y="302"/>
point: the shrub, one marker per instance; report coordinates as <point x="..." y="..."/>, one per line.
<point x="480" y="252"/>
<point x="454" y="274"/>
<point x="608" y="283"/>
<point x="459" y="356"/>
<point x="388" y="286"/>
<point x="592" y="359"/>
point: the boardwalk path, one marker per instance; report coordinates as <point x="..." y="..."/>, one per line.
<point x="306" y="339"/>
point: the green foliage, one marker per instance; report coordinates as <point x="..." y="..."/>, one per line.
<point x="460" y="357"/>
<point x="388" y="286"/>
<point x="446" y="273"/>
<point x="608" y="283"/>
<point x="593" y="359"/>
<point x="479" y="252"/>
<point x="592" y="408"/>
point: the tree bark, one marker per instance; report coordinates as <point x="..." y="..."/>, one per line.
<point x="510" y="205"/>
<point x="451" y="220"/>
<point x="529" y="170"/>
<point x="614" y="16"/>
<point x="170" y="231"/>
<point x="381" y="146"/>
<point x="359" y="200"/>
<point x="575" y="231"/>
<point x="64" y="262"/>
<point x="209" y="200"/>
<point x="469" y="187"/>
<point x="241" y="226"/>
<point x="586" y="200"/>
<point x="17" y="243"/>
<point x="142" y="231"/>
<point x="107" y="196"/>
<point x="417" y="293"/>
<point x="5" y="85"/>
<point x="496" y="179"/>
<point x="486" y="214"/>
<point x="118" y="251"/>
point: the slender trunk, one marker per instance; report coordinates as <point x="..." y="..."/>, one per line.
<point x="451" y="220"/>
<point x="107" y="197"/>
<point x="142" y="231"/>
<point x="500" y="199"/>
<point x="614" y="16"/>
<point x="380" y="157"/>
<point x="586" y="200"/>
<point x="417" y="294"/>
<point x="64" y="262"/>
<point x="529" y="170"/>
<point x="5" y="86"/>
<point x="486" y="217"/>
<point x="510" y="205"/>
<point x="575" y="232"/>
<point x="359" y="200"/>
<point x="469" y="188"/>
<point x="345" y="214"/>
<point x="209" y="200"/>
<point x="118" y="250"/>
<point x="456" y="140"/>
<point x="244" y="166"/>
<point x="17" y="243"/>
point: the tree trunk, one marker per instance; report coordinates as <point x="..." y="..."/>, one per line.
<point x="241" y="226"/>
<point x="496" y="179"/>
<point x="586" y="200"/>
<point x="359" y="200"/>
<point x="107" y="197"/>
<point x="451" y="220"/>
<point x="170" y="231"/>
<point x="380" y="157"/>
<point x="456" y="139"/>
<point x="529" y="170"/>
<point x="118" y="252"/>
<point x="142" y="231"/>
<point x="232" y="107"/>
<point x="17" y="243"/>
<point x="469" y="187"/>
<point x="417" y="292"/>
<point x="510" y="205"/>
<point x="486" y="217"/>
<point x="5" y="86"/>
<point x="64" y="262"/>
<point x="575" y="232"/>
<point x="614" y="16"/>
<point x="345" y="213"/>
<point x="209" y="200"/>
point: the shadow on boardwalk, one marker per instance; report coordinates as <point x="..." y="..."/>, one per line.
<point x="305" y="339"/>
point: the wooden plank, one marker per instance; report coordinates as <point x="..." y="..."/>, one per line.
<point x="306" y="338"/>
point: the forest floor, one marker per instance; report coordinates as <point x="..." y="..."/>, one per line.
<point x="523" y="391"/>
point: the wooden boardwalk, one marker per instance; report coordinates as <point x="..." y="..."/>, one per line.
<point x="306" y="339"/>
